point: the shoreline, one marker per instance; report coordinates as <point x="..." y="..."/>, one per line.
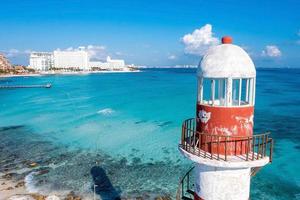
<point x="65" y="73"/>
<point x="18" y="75"/>
<point x="17" y="190"/>
<point x="8" y="188"/>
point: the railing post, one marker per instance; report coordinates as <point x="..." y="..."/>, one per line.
<point x="182" y="135"/>
<point x="260" y="138"/>
<point x="266" y="140"/>
<point x="205" y="146"/>
<point x="194" y="136"/>
<point x="190" y="137"/>
<point x="226" y="148"/>
<point x="211" y="147"/>
<point x="248" y="149"/>
<point x="253" y="146"/>
<point x="199" y="143"/>
<point x="263" y="145"/>
<point x="271" y="150"/>
<point x="218" y="147"/>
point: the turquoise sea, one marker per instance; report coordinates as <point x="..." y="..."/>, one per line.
<point x="126" y="127"/>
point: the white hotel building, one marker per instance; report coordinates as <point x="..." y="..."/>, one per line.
<point x="41" y="61"/>
<point x="71" y="60"/>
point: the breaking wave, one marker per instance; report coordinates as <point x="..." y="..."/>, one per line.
<point x="30" y="182"/>
<point x="106" y="111"/>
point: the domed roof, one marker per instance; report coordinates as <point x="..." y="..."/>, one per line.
<point x="226" y="60"/>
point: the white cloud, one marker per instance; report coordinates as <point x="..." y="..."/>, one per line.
<point x="172" y="57"/>
<point x="199" y="41"/>
<point x="11" y="53"/>
<point x="271" y="51"/>
<point x="96" y="52"/>
<point x="118" y="53"/>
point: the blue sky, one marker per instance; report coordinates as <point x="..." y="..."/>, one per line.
<point x="151" y="32"/>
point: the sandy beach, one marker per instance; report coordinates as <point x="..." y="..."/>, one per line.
<point x="9" y="188"/>
<point x="18" y="75"/>
<point x="16" y="190"/>
<point x="15" y="187"/>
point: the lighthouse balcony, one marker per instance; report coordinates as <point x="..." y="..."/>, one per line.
<point x="225" y="150"/>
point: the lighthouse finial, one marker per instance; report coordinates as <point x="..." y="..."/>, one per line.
<point x="226" y="40"/>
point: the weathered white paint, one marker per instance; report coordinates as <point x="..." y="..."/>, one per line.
<point x="226" y="60"/>
<point x="222" y="183"/>
<point x="233" y="162"/>
<point x="245" y="122"/>
<point x="204" y="116"/>
<point x="224" y="131"/>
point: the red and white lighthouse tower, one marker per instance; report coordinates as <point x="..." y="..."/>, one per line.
<point x="220" y="139"/>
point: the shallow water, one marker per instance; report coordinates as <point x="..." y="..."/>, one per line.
<point x="130" y="123"/>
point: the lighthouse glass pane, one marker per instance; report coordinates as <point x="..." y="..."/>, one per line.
<point x="207" y="97"/>
<point x="245" y="92"/>
<point x="219" y="99"/>
<point x="235" y="92"/>
<point x="214" y="91"/>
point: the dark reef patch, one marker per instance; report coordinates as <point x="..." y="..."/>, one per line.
<point x="60" y="168"/>
<point x="273" y="187"/>
<point x="165" y="123"/>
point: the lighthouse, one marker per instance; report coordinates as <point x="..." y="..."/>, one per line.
<point x="220" y="139"/>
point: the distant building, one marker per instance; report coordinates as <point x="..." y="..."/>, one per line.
<point x="110" y="64"/>
<point x="4" y="63"/>
<point x="115" y="63"/>
<point x="99" y="65"/>
<point x="71" y="59"/>
<point x="41" y="61"/>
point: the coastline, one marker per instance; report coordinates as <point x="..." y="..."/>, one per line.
<point x="18" y="75"/>
<point x="66" y="73"/>
<point x="17" y="190"/>
<point x="9" y="188"/>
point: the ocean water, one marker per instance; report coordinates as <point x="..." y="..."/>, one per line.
<point x="125" y="128"/>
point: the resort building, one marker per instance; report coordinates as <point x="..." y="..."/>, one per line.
<point x="110" y="64"/>
<point x="115" y="63"/>
<point x="4" y="63"/>
<point x="41" y="61"/>
<point x="78" y="59"/>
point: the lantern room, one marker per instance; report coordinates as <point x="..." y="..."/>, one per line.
<point x="226" y="76"/>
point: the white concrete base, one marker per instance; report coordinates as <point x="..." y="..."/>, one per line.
<point x="217" y="183"/>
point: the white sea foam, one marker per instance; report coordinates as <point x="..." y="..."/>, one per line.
<point x="29" y="183"/>
<point x="21" y="197"/>
<point x="106" y="111"/>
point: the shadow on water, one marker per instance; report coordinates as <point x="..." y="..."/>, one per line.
<point x="103" y="185"/>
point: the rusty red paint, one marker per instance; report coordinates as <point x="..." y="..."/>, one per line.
<point x="225" y="121"/>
